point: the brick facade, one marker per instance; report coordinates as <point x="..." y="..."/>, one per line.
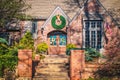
<point x="92" y="10"/>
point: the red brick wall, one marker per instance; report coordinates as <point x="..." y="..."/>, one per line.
<point x="75" y="31"/>
<point x="25" y="63"/>
<point x="79" y="69"/>
<point x="77" y="64"/>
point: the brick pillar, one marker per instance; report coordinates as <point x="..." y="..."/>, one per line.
<point x="77" y="64"/>
<point x="25" y="63"/>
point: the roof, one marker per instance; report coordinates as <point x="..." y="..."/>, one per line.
<point x="42" y="9"/>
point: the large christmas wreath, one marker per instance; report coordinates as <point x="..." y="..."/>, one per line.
<point x="58" y="22"/>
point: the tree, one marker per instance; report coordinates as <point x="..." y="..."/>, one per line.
<point x="10" y="9"/>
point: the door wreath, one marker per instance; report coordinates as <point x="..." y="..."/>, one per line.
<point x="58" y="22"/>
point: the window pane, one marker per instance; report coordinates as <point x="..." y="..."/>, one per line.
<point x="87" y="44"/>
<point x="99" y="39"/>
<point x="87" y="25"/>
<point x="99" y="35"/>
<point x="53" y="40"/>
<point x="99" y="24"/>
<point x="34" y="27"/>
<point x="62" y="40"/>
<point x="93" y="24"/>
<point x="93" y="39"/>
<point x="87" y="40"/>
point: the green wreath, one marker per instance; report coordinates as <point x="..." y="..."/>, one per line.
<point x="61" y="26"/>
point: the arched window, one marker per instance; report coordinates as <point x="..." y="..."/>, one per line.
<point x="57" y="38"/>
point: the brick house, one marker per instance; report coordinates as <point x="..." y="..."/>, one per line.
<point x="88" y="26"/>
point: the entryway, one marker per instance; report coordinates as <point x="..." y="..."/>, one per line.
<point x="57" y="41"/>
<point x="52" y="67"/>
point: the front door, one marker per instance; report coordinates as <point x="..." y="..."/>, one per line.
<point x="57" y="43"/>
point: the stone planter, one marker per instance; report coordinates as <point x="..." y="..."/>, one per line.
<point x="25" y="63"/>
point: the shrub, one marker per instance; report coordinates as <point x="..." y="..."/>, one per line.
<point x="91" y="53"/>
<point x="69" y="46"/>
<point x="26" y="42"/>
<point x="42" y="47"/>
<point x="111" y="68"/>
<point x="8" y="57"/>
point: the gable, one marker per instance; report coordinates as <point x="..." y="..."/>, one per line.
<point x="94" y="13"/>
<point x="57" y="11"/>
<point x="94" y="10"/>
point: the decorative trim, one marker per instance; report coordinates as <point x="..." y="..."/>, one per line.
<point x="53" y="13"/>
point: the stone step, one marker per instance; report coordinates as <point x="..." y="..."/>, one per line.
<point x="51" y="65"/>
<point x="54" y="60"/>
<point x="91" y="65"/>
<point x="90" y="70"/>
<point x="56" y="56"/>
<point x="49" y="74"/>
<point x="58" y="78"/>
<point x="51" y="70"/>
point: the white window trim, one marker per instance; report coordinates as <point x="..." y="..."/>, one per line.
<point x="91" y="29"/>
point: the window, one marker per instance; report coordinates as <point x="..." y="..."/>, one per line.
<point x="34" y="26"/>
<point x="57" y="38"/>
<point x="93" y="34"/>
<point x="62" y="40"/>
<point x="6" y="35"/>
<point x="34" y="29"/>
<point x="53" y="40"/>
